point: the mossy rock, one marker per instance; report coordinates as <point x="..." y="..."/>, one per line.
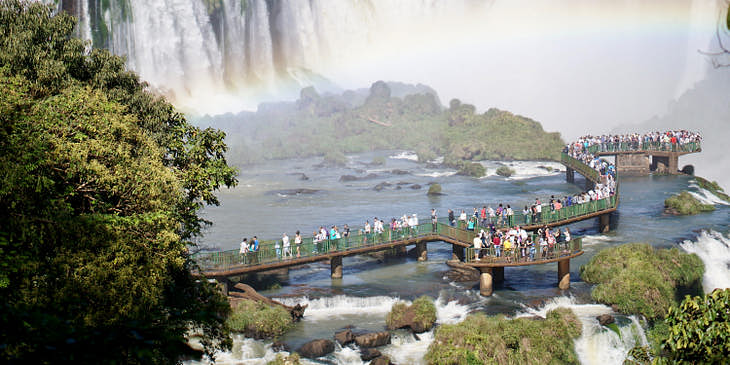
<point x="420" y="316"/>
<point x="434" y="189"/>
<point x="482" y="339"/>
<point x="685" y="204"/>
<point x="635" y="278"/>
<point x="713" y="187"/>
<point x="505" y="171"/>
<point x="378" y="161"/>
<point x="335" y="158"/>
<point x="258" y="320"/>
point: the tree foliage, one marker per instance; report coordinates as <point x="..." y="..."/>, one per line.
<point x="99" y="193"/>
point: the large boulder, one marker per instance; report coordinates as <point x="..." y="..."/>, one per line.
<point x="317" y="348"/>
<point x="373" y="339"/>
<point x="367" y="354"/>
<point x="279" y="346"/>
<point x="605" y="319"/>
<point x="461" y="272"/>
<point x="419" y="316"/>
<point x="344" y="337"/>
<point x="382" y="360"/>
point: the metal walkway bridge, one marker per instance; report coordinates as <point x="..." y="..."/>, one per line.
<point x="272" y="255"/>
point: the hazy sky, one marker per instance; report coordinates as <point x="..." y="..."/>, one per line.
<point x="563" y="63"/>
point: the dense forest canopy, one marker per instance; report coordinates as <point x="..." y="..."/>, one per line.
<point x="100" y="190"/>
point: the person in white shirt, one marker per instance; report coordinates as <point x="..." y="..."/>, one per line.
<point x="477" y="246"/>
<point x="287" y="245"/>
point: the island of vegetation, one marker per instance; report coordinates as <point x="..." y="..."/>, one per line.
<point x="367" y="120"/>
<point x="685" y="204"/>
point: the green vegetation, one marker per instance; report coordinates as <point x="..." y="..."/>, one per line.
<point x="292" y="359"/>
<point x="335" y="158"/>
<point x="685" y="204"/>
<point x="713" y="187"/>
<point x="419" y="316"/>
<point x="466" y="168"/>
<point x="482" y="339"/>
<point x="99" y="198"/>
<point x="259" y="320"/>
<point x="317" y="125"/>
<point x="699" y="329"/>
<point x="378" y="161"/>
<point x="434" y="189"/>
<point x="638" y="279"/>
<point x="505" y="171"/>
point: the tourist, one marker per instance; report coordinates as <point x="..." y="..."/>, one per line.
<point x="434" y="219"/>
<point x="287" y="246"/>
<point x="462" y="219"/>
<point x="483" y="215"/>
<point x="452" y="220"/>
<point x="497" y="243"/>
<point x="298" y="243"/>
<point x="277" y="247"/>
<point x="477" y="247"/>
<point x="243" y="252"/>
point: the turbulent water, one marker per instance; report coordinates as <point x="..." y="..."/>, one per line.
<point x="371" y="285"/>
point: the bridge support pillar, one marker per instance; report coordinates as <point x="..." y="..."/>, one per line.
<point x="457" y="252"/>
<point x="564" y="274"/>
<point x="485" y="281"/>
<point x="336" y="267"/>
<point x="223" y="285"/>
<point x="569" y="175"/>
<point x="498" y="275"/>
<point x="603" y="223"/>
<point x="422" y="251"/>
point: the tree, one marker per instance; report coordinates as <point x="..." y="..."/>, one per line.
<point x="100" y="185"/>
<point x="699" y="329"/>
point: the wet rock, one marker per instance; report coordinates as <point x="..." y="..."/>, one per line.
<point x="399" y="172"/>
<point x="344" y="337"/>
<point x="460" y="272"/>
<point x="317" y="348"/>
<point x="279" y="346"/>
<point x="382" y="360"/>
<point x="398" y="187"/>
<point x="403" y="183"/>
<point x="431" y="165"/>
<point x="373" y="339"/>
<point x="299" y="191"/>
<point x="605" y="319"/>
<point x="301" y="175"/>
<point x="415" y="187"/>
<point x="688" y="170"/>
<point x="382" y="186"/>
<point x="347" y="178"/>
<point x="367" y="354"/>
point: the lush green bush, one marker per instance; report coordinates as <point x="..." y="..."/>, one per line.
<point x="335" y="158"/>
<point x="482" y="339"/>
<point x="419" y="316"/>
<point x="686" y="204"/>
<point x="505" y="171"/>
<point x="425" y="312"/>
<point x="699" y="329"/>
<point x="639" y="279"/>
<point x="259" y="320"/>
<point x="434" y="189"/>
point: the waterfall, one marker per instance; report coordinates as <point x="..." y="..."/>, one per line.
<point x="714" y="250"/>
<point x="227" y="55"/>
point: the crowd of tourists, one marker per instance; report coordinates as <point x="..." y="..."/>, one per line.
<point x="516" y="244"/>
<point x="667" y="141"/>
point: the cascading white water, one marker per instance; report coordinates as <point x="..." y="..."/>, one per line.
<point x="596" y="344"/>
<point x="714" y="250"/>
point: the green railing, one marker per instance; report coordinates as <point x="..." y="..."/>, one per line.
<point x="532" y="253"/>
<point x="580" y="167"/>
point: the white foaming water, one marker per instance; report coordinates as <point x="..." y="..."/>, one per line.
<point x="524" y="169"/>
<point x="339" y="305"/>
<point x="590" y="240"/>
<point x="714" y="250"/>
<point x="596" y="344"/>
<point x="437" y="174"/>
<point x="707" y="197"/>
<point x="405" y="155"/>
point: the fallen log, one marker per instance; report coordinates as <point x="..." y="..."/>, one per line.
<point x="247" y="292"/>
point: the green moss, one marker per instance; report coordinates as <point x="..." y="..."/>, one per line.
<point x="422" y="311"/>
<point x="425" y="311"/>
<point x="505" y="171"/>
<point x="259" y="320"/>
<point x="434" y="189"/>
<point x="638" y="279"/>
<point x="712" y="187"/>
<point x="396" y="314"/>
<point x="335" y="158"/>
<point x="378" y="161"/>
<point x="482" y="339"/>
<point x="467" y="168"/>
<point x="686" y="204"/>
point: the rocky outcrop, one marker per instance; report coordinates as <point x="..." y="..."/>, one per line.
<point x="367" y="354"/>
<point x="373" y="339"/>
<point x="316" y="348"/>
<point x="460" y="272"/>
<point x="348" y="178"/>
<point x="299" y="191"/>
<point x="382" y="360"/>
<point x="344" y="337"/>
<point x="605" y="319"/>
<point x="279" y="346"/>
<point x="247" y="292"/>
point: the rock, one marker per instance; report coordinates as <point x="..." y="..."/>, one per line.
<point x="399" y="172"/>
<point x="460" y="272"/>
<point x="347" y="178"/>
<point x="605" y="319"/>
<point x="344" y="337"/>
<point x="403" y="183"/>
<point x="431" y="165"/>
<point x="382" y="360"/>
<point x="373" y="339"/>
<point x="415" y="186"/>
<point x="279" y="346"/>
<point x="398" y="187"/>
<point x="434" y="189"/>
<point x="299" y="191"/>
<point x="367" y="354"/>
<point x="382" y="186"/>
<point x="688" y="170"/>
<point x="661" y="168"/>
<point x="301" y="175"/>
<point x="317" y="348"/>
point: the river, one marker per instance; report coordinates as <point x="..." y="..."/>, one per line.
<point x="260" y="205"/>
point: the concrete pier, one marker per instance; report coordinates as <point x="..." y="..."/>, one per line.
<point x="564" y="274"/>
<point x="422" y="251"/>
<point x="603" y="223"/>
<point x="485" y="281"/>
<point x="569" y="175"/>
<point x="457" y="252"/>
<point x="336" y="267"/>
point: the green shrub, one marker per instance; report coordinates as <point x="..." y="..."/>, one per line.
<point x="434" y="189"/>
<point x="639" y="279"/>
<point x="482" y="339"/>
<point x="396" y="314"/>
<point x="379" y="161"/>
<point x="686" y="204"/>
<point x="505" y="171"/>
<point x="425" y="312"/>
<point x="419" y="316"/>
<point x="335" y="158"/>
<point x="259" y="320"/>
